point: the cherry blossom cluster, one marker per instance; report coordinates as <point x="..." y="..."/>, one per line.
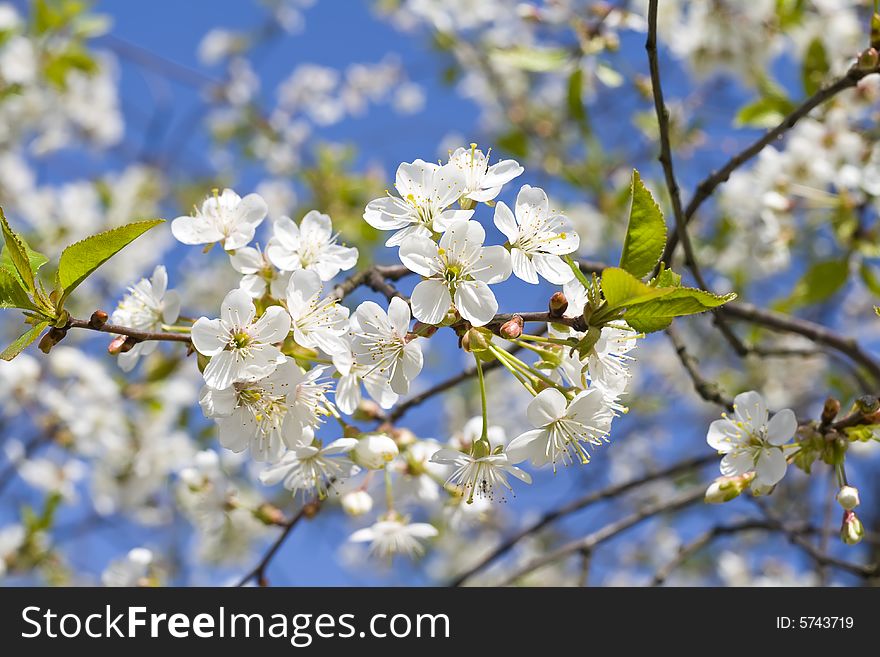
<point x="286" y="365"/>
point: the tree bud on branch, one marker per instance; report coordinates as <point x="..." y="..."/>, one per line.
<point x="830" y="410"/>
<point x="512" y="328"/>
<point x="558" y="305"/>
<point x="52" y="337"/>
<point x="98" y="319"/>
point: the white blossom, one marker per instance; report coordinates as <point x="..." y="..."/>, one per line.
<point x="318" y="323"/>
<point x="459" y="270"/>
<point x="483" y="182"/>
<point x="310" y="467"/>
<point x="240" y="348"/>
<point x="225" y="218"/>
<point x="131" y="570"/>
<point x="311" y="245"/>
<point x="480" y="476"/>
<point x="259" y="277"/>
<point x="393" y="535"/>
<point x="257" y="414"/>
<point x="148" y="304"/>
<point x="751" y="441"/>
<point x="537" y="237"/>
<point x="381" y="343"/>
<point x="426" y="193"/>
<point x="564" y="430"/>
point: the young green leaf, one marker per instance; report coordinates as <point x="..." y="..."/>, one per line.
<point x="818" y="283"/>
<point x="766" y="112"/>
<point x="23" y="341"/>
<point x="18" y="254"/>
<point x="655" y="314"/>
<point x="80" y="260"/>
<point x="815" y="67"/>
<point x="12" y="294"/>
<point x="535" y="60"/>
<point x="621" y="289"/>
<point x="645" y="233"/>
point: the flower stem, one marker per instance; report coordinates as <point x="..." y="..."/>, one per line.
<point x="389" y="494"/>
<point x="484" y="436"/>
<point x="519" y="376"/>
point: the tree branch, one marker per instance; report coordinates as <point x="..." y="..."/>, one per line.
<point x="607" y="532"/>
<point x="577" y="505"/>
<point x="708" y="185"/>
<point x="671" y="183"/>
<point x="259" y="571"/>
<point x="709" y="536"/>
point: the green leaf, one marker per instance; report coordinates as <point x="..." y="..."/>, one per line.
<point x="667" y="278"/>
<point x="36" y="259"/>
<point x="815" y="67"/>
<point x="818" y="283"/>
<point x="23" y="341"/>
<point x="621" y="289"/>
<point x="655" y="314"/>
<point x="534" y="60"/>
<point x="18" y="254"/>
<point x="80" y="260"/>
<point x="870" y="278"/>
<point x="766" y="112"/>
<point x="574" y="97"/>
<point x="645" y="233"/>
<point x="13" y="294"/>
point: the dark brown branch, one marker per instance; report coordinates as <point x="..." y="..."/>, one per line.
<point x="672" y="184"/>
<point x="815" y="332"/>
<point x="140" y="336"/>
<point x="259" y="571"/>
<point x="708" y="390"/>
<point x="577" y="505"/>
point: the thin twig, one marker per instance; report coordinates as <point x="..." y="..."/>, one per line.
<point x="705" y="188"/>
<point x="710" y="391"/>
<point x="609" y="531"/>
<point x="689" y="550"/>
<point x="259" y="571"/>
<point x="577" y="505"/>
<point x="665" y="158"/>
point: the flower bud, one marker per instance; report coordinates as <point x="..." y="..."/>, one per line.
<point x="848" y="497"/>
<point x="357" y="503"/>
<point x="452" y="317"/>
<point x="52" y="337"/>
<point x="423" y="330"/>
<point x="98" y="319"/>
<point x="269" y="514"/>
<point x="375" y="450"/>
<point x="869" y="59"/>
<point x="851" y="531"/>
<point x="476" y="340"/>
<point x="512" y="328"/>
<point x="368" y="410"/>
<point x="724" y="489"/>
<point x="120" y="344"/>
<point x="402" y="436"/>
<point x="830" y="410"/>
<point x="558" y="304"/>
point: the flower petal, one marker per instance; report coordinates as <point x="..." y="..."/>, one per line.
<point x="208" y="336"/>
<point x="548" y="406"/>
<point x="430" y="301"/>
<point x="782" y="427"/>
<point x="476" y="302"/>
